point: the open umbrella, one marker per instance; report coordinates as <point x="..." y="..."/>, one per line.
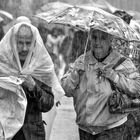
<point x="87" y="18"/>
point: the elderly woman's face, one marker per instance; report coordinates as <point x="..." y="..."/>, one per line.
<point x="24" y="40"/>
<point x="100" y="43"/>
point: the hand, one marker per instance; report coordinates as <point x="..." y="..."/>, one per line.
<point x="75" y="74"/>
<point x="29" y="83"/>
<point x="107" y="70"/>
<point x="75" y="77"/>
<point x="80" y="72"/>
<point x="79" y="66"/>
<point x="109" y="73"/>
<point x="108" y="66"/>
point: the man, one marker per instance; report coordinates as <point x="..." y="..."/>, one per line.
<point x="87" y="82"/>
<point x="25" y="57"/>
<point x="39" y="96"/>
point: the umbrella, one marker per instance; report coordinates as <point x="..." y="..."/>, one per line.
<point x="1" y="19"/>
<point x="51" y="9"/>
<point x="87" y="18"/>
<point x="135" y="25"/>
<point x="6" y="14"/>
<point x="7" y="17"/>
<point x="54" y="6"/>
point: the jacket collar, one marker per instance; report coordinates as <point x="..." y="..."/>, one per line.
<point x="90" y="59"/>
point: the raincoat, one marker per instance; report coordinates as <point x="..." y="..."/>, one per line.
<point x="90" y="92"/>
<point x="38" y="64"/>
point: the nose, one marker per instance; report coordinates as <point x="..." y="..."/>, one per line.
<point x="98" y="41"/>
<point x="25" y="47"/>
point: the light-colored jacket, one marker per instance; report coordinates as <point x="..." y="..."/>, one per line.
<point x="91" y="93"/>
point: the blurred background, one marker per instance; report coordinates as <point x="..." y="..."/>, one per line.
<point x="29" y="7"/>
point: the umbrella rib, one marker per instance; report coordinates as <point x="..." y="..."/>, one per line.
<point x="57" y="15"/>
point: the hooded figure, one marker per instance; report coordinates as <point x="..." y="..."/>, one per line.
<point x="27" y="83"/>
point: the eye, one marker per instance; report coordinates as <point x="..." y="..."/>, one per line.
<point x="94" y="37"/>
<point x="103" y="37"/>
<point x="28" y="43"/>
<point x="20" y="42"/>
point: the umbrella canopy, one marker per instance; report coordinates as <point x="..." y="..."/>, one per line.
<point x="135" y="25"/>
<point x="53" y="6"/>
<point x="51" y="9"/>
<point x="87" y="18"/>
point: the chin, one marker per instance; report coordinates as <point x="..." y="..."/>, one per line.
<point x="22" y="58"/>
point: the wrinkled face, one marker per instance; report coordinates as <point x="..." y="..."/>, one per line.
<point x="100" y="43"/>
<point x="23" y="40"/>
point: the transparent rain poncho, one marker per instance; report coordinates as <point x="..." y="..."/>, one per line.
<point x="38" y="64"/>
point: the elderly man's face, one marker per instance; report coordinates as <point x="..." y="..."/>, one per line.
<point x="23" y="43"/>
<point x="100" y="43"/>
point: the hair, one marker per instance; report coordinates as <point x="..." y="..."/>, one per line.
<point x="24" y="31"/>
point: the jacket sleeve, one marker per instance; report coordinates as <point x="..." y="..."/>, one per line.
<point x="71" y="79"/>
<point x="45" y="97"/>
<point x="126" y="77"/>
<point x="70" y="82"/>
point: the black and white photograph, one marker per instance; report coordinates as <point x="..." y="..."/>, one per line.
<point x="69" y="70"/>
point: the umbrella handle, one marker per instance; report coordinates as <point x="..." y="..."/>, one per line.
<point x="86" y="45"/>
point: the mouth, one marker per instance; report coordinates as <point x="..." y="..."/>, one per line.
<point x="98" y="49"/>
<point x="23" y="53"/>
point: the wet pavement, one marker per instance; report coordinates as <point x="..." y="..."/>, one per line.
<point x="64" y="127"/>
